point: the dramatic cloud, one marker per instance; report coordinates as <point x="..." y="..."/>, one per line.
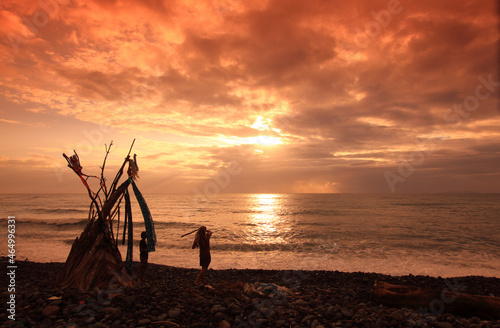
<point x="293" y="96"/>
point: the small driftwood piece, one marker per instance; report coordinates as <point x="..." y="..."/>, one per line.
<point x="484" y="307"/>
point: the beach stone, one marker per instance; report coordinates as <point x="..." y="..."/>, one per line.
<point x="220" y="315"/>
<point x="47" y="322"/>
<point x="95" y="292"/>
<point x="174" y="313"/>
<point x="444" y="324"/>
<point x="267" y="311"/>
<point x="280" y="323"/>
<point x="50" y="310"/>
<point x="475" y="320"/>
<point x="224" y="324"/>
<point x="99" y="325"/>
<point x="129" y="301"/>
<point x="112" y="310"/>
<point x="347" y="313"/>
<point x="397" y="315"/>
<point x="315" y="303"/>
<point x="380" y="322"/>
<point x="307" y="318"/>
<point x="143" y="322"/>
<point x="361" y="312"/>
<point x="218" y="308"/>
<point x="315" y="323"/>
<point x="9" y="323"/>
<point x="90" y="320"/>
<point x="300" y="303"/>
<point x="57" y="303"/>
<point x="162" y="317"/>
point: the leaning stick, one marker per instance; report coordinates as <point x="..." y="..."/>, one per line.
<point x="189" y="233"/>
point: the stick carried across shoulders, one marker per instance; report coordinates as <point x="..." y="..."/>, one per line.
<point x="184" y="235"/>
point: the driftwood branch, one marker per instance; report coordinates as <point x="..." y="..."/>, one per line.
<point x="120" y="171"/>
<point x="108" y="206"/>
<point x="454" y="302"/>
<point x="103" y="179"/>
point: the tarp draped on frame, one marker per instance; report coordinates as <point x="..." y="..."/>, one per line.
<point x="148" y="219"/>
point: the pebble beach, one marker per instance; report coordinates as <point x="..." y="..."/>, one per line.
<point x="233" y="298"/>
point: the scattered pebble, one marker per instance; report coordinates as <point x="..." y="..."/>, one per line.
<point x="275" y="299"/>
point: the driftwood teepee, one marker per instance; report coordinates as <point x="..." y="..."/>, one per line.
<point x="94" y="259"/>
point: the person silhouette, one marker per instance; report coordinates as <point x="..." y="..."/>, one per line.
<point x="143" y="248"/>
<point x="202" y="240"/>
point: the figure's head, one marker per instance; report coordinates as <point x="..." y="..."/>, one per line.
<point x="202" y="230"/>
<point x="143" y="235"/>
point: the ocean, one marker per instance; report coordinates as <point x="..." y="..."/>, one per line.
<point x="446" y="235"/>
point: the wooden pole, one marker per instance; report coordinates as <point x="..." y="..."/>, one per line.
<point x="189" y="233"/>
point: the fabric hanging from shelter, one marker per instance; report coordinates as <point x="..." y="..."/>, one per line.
<point x="118" y="227"/>
<point x="130" y="245"/>
<point x="148" y="219"/>
<point x="128" y="213"/>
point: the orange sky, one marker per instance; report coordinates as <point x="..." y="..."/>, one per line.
<point x="252" y="96"/>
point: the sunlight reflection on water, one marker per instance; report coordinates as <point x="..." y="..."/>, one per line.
<point x="396" y="234"/>
<point x="268" y="227"/>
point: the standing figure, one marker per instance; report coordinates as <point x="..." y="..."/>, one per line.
<point x="143" y="246"/>
<point x="202" y="240"/>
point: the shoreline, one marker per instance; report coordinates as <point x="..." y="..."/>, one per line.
<point x="396" y="270"/>
<point x="195" y="267"/>
<point x="235" y="297"/>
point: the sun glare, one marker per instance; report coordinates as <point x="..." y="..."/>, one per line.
<point x="264" y="140"/>
<point x="262" y="127"/>
<point x="259" y="140"/>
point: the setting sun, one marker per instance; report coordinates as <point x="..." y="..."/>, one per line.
<point x="259" y="140"/>
<point x="264" y="140"/>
